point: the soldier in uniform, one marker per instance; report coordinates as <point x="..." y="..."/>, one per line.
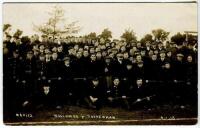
<point x="108" y="67"/>
<point x="8" y="44"/>
<point x="79" y="77"/>
<point x="100" y="64"/>
<point x="140" y="70"/>
<point x="118" y="66"/>
<point x="166" y="77"/>
<point x="191" y="80"/>
<point x="60" y="52"/>
<point x="153" y="67"/>
<point x="41" y="76"/>
<point x="54" y="78"/>
<point x="28" y="80"/>
<point x="179" y="77"/>
<point x="44" y="97"/>
<point x="116" y="95"/>
<point x="140" y="95"/>
<point x="67" y="81"/>
<point x="129" y="74"/>
<point x="93" y="66"/>
<point x="12" y="79"/>
<point x="94" y="94"/>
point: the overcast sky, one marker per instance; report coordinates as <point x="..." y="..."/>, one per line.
<point x="141" y="17"/>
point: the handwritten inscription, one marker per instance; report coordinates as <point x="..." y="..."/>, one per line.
<point x="167" y="117"/>
<point x="24" y="115"/>
<point x="84" y="116"/>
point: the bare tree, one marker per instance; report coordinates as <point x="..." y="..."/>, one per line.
<point x="57" y="25"/>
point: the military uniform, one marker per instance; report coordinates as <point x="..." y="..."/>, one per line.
<point x="139" y="94"/>
<point x="55" y="80"/>
<point x="28" y="80"/>
<point x="67" y="82"/>
<point x="94" y="94"/>
<point x="117" y="95"/>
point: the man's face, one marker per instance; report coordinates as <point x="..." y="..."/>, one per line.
<point x="29" y="55"/>
<point x="93" y="57"/>
<point x="103" y="47"/>
<point x="35" y="46"/>
<point x="139" y="58"/>
<point x="44" y="39"/>
<point x="18" y="41"/>
<point x="131" y="52"/>
<point x="167" y="66"/>
<point x="76" y="47"/>
<point x="162" y="55"/>
<point x="156" y="52"/>
<point x="189" y="58"/>
<point x="120" y="58"/>
<point x="129" y="66"/>
<point x="116" y="82"/>
<point x="147" y="44"/>
<point x="126" y="55"/>
<point x="98" y="55"/>
<point x="85" y="53"/>
<point x="134" y="49"/>
<point x="67" y="62"/>
<point x="139" y="82"/>
<point x="95" y="82"/>
<point x="179" y="58"/>
<point x="42" y="58"/>
<point x="92" y="50"/>
<point x="131" y="58"/>
<point x="190" y="46"/>
<point x="79" y="55"/>
<point x="111" y="55"/>
<point x="46" y="50"/>
<point x="54" y="56"/>
<point x="123" y="49"/>
<point x="97" y="50"/>
<point x="46" y="89"/>
<point x="150" y="53"/>
<point x="86" y="47"/>
<point x="107" y="61"/>
<point x="80" y="49"/>
<point x="60" y="49"/>
<point x="138" y="45"/>
<point x="154" y="57"/>
<point x="160" y="45"/>
<point x="54" y="49"/>
<point x="169" y="54"/>
<point x="107" y="44"/>
<point x="143" y="53"/>
<point x="8" y="38"/>
<point x="35" y="53"/>
<point x="15" y="55"/>
<point x="48" y="56"/>
<point x="104" y="54"/>
<point x="42" y="47"/>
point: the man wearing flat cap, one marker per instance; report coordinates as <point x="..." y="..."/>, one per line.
<point x="54" y="78"/>
<point x="28" y="77"/>
<point x="118" y="65"/>
<point x="67" y="75"/>
<point x="179" y="76"/>
<point x="94" y="95"/>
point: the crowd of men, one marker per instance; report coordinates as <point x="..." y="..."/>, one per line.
<point x="97" y="72"/>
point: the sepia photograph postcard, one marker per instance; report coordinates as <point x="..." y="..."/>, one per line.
<point x="100" y="63"/>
